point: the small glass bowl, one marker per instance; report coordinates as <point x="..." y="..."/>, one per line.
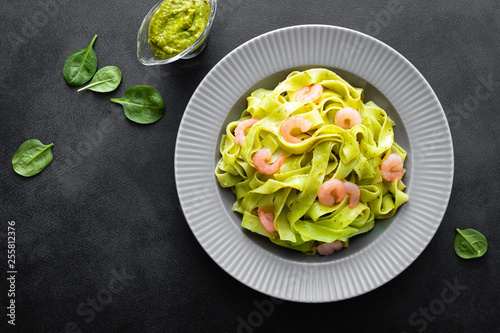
<point x="146" y="55"/>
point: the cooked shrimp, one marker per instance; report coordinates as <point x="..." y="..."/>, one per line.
<point x="354" y="193"/>
<point x="267" y="220"/>
<point x="347" y="118"/>
<point x="239" y="132"/>
<point x="260" y="158"/>
<point x="294" y="122"/>
<point x="329" y="248"/>
<point x="392" y="167"/>
<point x="308" y="94"/>
<point x="332" y="191"/>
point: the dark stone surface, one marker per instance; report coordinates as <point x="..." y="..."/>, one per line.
<point x="107" y="205"/>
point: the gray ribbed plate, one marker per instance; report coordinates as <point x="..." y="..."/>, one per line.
<point x="373" y="258"/>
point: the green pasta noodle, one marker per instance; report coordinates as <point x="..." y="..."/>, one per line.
<point x="326" y="151"/>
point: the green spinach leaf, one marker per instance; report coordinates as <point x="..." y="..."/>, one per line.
<point x="31" y="158"/>
<point x="470" y="243"/>
<point x="142" y="104"/>
<point x="80" y="65"/>
<point x="105" y="80"/>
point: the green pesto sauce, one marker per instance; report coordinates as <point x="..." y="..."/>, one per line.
<point x="176" y="25"/>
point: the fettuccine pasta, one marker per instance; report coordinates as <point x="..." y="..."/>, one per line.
<point x="283" y="204"/>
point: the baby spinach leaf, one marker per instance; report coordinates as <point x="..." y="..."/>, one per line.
<point x="142" y="104"/>
<point x="105" y="80"/>
<point x="31" y="158"/>
<point x="470" y="243"/>
<point x="80" y="65"/>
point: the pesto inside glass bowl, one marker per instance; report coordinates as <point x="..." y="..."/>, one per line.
<point x="173" y="30"/>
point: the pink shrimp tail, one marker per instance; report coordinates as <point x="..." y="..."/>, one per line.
<point x="392" y="167"/>
<point x="260" y="158"/>
<point x="332" y="191"/>
<point x="347" y="118"/>
<point x="292" y="123"/>
<point x="308" y="94"/>
<point x="239" y="132"/>
<point x="267" y="220"/>
<point x="326" y="249"/>
<point x="354" y="193"/>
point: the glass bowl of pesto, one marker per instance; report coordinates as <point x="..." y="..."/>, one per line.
<point x="173" y="30"/>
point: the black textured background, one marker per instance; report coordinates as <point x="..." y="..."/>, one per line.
<point x="107" y="205"/>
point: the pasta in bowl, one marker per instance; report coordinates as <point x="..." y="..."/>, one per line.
<point x="392" y="83"/>
<point x="335" y="165"/>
